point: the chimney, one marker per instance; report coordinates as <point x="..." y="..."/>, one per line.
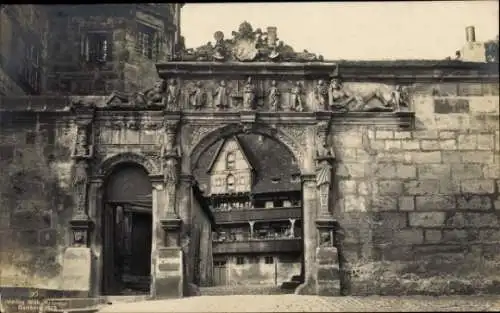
<point x="470" y="34"/>
<point x="272" y="36"/>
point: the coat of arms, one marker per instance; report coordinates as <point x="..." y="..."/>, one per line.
<point x="245" y="43"/>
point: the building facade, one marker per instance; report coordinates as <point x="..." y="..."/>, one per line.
<point x="397" y="161"/>
<point x="253" y="187"/>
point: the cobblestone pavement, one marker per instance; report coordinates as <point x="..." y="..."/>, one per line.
<point x="295" y="303"/>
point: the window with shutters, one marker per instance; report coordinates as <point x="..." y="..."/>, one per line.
<point x="148" y="43"/>
<point x="96" y="47"/>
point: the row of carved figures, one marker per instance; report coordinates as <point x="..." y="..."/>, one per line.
<point x="325" y="96"/>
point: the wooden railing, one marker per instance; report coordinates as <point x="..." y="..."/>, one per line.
<point x="258" y="246"/>
<point x="258" y="214"/>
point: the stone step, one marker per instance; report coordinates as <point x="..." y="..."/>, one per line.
<point x="124" y="299"/>
<point x="241" y="290"/>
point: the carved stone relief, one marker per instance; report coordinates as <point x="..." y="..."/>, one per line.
<point x="246" y="45"/>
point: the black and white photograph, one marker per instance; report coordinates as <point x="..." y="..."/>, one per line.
<point x="338" y="156"/>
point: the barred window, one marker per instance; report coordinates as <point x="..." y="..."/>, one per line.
<point x="96" y="47"/>
<point x="148" y="43"/>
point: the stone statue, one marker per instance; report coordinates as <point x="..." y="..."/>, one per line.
<point x="81" y="148"/>
<point x="399" y="98"/>
<point x="155" y="95"/>
<point x="338" y="98"/>
<point x="221" y="96"/>
<point x="321" y="95"/>
<point x="296" y="98"/>
<point x="274" y="96"/>
<point x="219" y="46"/>
<point x="249" y="95"/>
<point x="170" y="170"/>
<point x="173" y="92"/>
<point x="197" y="97"/>
<point x="324" y="151"/>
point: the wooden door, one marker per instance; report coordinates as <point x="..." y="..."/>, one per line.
<point x="108" y="270"/>
<point x="220" y="273"/>
<point x="140" y="262"/>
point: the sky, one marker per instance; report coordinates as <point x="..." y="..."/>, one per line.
<point x="351" y="31"/>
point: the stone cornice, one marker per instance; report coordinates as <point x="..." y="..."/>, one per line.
<point x="401" y="72"/>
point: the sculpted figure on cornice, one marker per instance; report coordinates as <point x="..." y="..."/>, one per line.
<point x="221" y="96"/>
<point x="296" y="93"/>
<point x="197" y="96"/>
<point x="274" y="95"/>
<point x="173" y="92"/>
<point x="249" y="95"/>
<point x="156" y="95"/>
<point x="246" y="45"/>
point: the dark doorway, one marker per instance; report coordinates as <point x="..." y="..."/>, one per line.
<point x="127" y="232"/>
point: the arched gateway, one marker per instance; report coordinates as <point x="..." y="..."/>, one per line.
<point x="249" y="84"/>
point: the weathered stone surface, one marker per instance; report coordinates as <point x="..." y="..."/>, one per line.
<point x="477" y="157"/>
<point x="409" y="236"/>
<point x="390" y="187"/>
<point x="451" y="105"/>
<point x="477" y="186"/>
<point x="77" y="269"/>
<point x="491" y="171"/>
<point x="354" y="204"/>
<point x="434" y="171"/>
<point x="466" y="171"/>
<point x="384" y="134"/>
<point x="347" y="186"/>
<point x="421" y="187"/>
<point x="432" y="203"/>
<point x="384" y="203"/>
<point x="426" y="157"/>
<point x="406" y="203"/>
<point x="474" y="203"/>
<point x="327" y="255"/>
<point x="432" y="236"/>
<point x="467" y="141"/>
<point x="471" y="219"/>
<point x="427" y="219"/>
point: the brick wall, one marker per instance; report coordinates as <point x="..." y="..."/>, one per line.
<point x="35" y="203"/>
<point x="421" y="209"/>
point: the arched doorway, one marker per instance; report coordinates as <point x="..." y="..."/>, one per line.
<point x="127" y="231"/>
<point x="253" y="185"/>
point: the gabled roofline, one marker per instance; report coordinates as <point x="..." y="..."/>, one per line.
<point x="219" y="149"/>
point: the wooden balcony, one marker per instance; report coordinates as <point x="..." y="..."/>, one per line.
<point x="274" y="214"/>
<point x="258" y="246"/>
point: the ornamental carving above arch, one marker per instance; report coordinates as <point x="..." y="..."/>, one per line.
<point x="128" y="157"/>
<point x="204" y="136"/>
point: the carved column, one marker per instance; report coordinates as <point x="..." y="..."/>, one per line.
<point x="82" y="152"/>
<point x="309" y="215"/>
<point x="169" y="277"/>
<point x="251" y="223"/>
<point x="292" y="227"/>
<point x="170" y="220"/>
<point x="325" y="156"/>
<point x="327" y="267"/>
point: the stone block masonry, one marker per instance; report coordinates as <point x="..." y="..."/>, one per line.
<point x="429" y="199"/>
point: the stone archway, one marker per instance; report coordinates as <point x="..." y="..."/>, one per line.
<point x="126" y="224"/>
<point x="206" y="143"/>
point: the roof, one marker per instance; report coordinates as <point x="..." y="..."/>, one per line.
<point x="270" y="160"/>
<point x="219" y="149"/>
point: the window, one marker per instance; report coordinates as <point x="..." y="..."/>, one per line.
<point x="240" y="260"/>
<point x="269" y="260"/>
<point x="230" y="183"/>
<point x="96" y="47"/>
<point x="148" y="43"/>
<point x="29" y="68"/>
<point x="230" y="160"/>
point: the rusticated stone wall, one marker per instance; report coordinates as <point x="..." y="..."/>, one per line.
<point x="420" y="209"/>
<point x="35" y="198"/>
